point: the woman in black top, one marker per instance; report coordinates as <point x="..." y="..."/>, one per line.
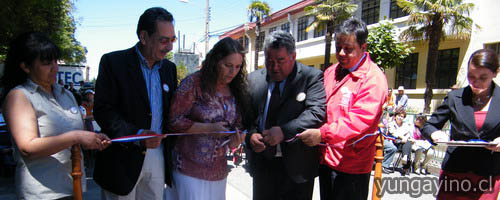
<point x="474" y="113"/>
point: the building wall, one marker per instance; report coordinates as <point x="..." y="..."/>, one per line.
<point x="485" y="31"/>
<point x="189" y="60"/>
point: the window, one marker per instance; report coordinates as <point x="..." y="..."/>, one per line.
<point x="272" y="29"/>
<point x="260" y="41"/>
<point x="301" y="29"/>
<point x="447" y="68"/>
<point x="286" y="27"/>
<point x="244" y="43"/>
<point x="406" y="74"/>
<point x="495" y="47"/>
<point x="318" y="32"/>
<point x="396" y="11"/>
<point x="370" y="11"/>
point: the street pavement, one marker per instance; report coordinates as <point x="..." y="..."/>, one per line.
<point x="239" y="186"/>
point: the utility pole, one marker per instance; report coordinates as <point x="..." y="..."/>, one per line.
<point x="207" y="19"/>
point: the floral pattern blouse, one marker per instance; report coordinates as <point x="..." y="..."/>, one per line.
<point x="200" y="156"/>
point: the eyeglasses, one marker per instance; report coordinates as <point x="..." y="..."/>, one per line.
<point x="166" y="40"/>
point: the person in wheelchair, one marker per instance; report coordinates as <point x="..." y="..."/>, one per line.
<point x="421" y="146"/>
<point x="402" y="131"/>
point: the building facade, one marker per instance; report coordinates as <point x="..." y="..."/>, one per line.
<point x="453" y="54"/>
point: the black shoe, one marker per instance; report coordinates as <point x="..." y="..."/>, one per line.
<point x="386" y="171"/>
<point x="404" y="172"/>
<point x="424" y="172"/>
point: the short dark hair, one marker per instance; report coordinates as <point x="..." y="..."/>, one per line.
<point x="278" y="39"/>
<point x="85" y="96"/>
<point x="421" y="117"/>
<point x="26" y="48"/>
<point x="485" y="58"/>
<point x="353" y="26"/>
<point x="150" y="17"/>
<point x="400" y="111"/>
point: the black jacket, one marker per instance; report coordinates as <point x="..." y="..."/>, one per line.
<point x="296" y="115"/>
<point x="121" y="109"/>
<point x="457" y="107"/>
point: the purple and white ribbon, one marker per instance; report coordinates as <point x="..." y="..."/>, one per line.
<point x="132" y="138"/>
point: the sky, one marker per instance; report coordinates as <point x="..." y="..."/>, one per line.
<point x="110" y="25"/>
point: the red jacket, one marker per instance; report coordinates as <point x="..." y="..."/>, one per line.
<point x="354" y="108"/>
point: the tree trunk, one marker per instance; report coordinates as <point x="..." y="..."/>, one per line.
<point x="328" y="45"/>
<point x="432" y="58"/>
<point x="257" y="42"/>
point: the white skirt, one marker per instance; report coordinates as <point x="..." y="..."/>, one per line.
<point x="190" y="188"/>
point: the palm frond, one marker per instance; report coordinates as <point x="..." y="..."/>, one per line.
<point x="412" y="33"/>
<point x="461" y="28"/>
<point x="329" y="11"/>
<point x="313" y="25"/>
<point x="258" y="10"/>
<point x="407" y="6"/>
<point x="419" y="18"/>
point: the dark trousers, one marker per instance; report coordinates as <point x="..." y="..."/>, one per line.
<point x="405" y="150"/>
<point x="271" y="182"/>
<point x="336" y="185"/>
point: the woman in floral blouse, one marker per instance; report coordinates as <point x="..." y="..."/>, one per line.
<point x="213" y="99"/>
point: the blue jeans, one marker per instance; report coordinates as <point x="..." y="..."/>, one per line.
<point x="389" y="151"/>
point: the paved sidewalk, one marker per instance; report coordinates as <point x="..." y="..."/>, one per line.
<point x="239" y="186"/>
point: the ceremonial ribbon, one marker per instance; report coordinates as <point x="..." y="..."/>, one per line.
<point x="353" y="144"/>
<point x="132" y="138"/>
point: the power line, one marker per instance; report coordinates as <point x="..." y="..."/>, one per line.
<point x="226" y="28"/>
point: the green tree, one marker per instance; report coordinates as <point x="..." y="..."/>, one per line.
<point x="384" y="49"/>
<point x="182" y="72"/>
<point x="329" y="13"/>
<point x="170" y="56"/>
<point x="52" y="17"/>
<point x="427" y="20"/>
<point x="181" y="68"/>
<point x="257" y="11"/>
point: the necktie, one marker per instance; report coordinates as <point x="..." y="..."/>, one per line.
<point x="341" y="73"/>
<point x="273" y="107"/>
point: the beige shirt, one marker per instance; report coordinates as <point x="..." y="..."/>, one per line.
<point x="48" y="177"/>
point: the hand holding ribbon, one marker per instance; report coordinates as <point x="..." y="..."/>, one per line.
<point x="310" y="137"/>
<point x="237" y="139"/>
<point x="495" y="148"/>
<point x="257" y="142"/>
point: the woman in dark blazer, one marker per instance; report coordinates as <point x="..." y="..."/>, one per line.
<point x="474" y="113"/>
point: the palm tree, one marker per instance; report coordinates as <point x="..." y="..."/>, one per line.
<point x="427" y="21"/>
<point x="257" y="10"/>
<point x="329" y="13"/>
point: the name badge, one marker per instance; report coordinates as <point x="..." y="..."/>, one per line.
<point x="74" y="110"/>
<point x="301" y="97"/>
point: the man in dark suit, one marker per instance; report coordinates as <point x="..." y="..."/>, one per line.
<point x="133" y="90"/>
<point x="289" y="98"/>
